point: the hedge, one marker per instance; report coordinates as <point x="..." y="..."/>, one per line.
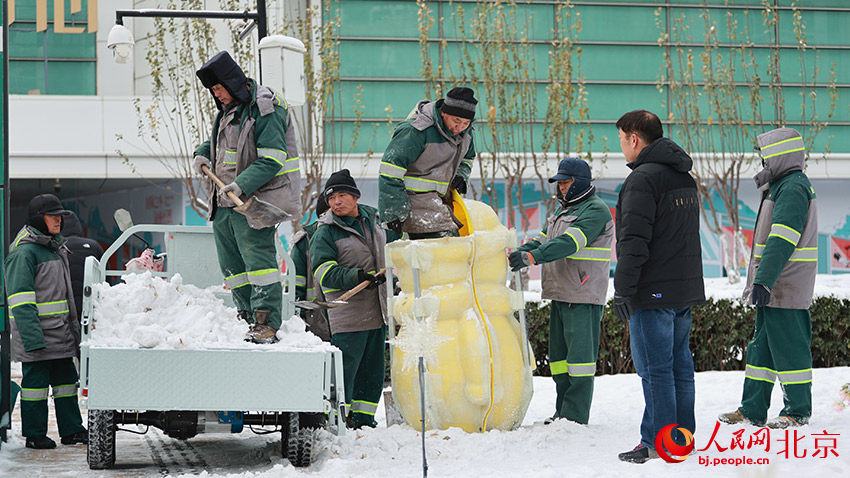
<point x="719" y="335"/>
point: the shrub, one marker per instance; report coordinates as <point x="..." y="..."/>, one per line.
<point x="719" y="335"/>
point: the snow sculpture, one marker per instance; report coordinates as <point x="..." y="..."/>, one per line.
<point x="478" y="375"/>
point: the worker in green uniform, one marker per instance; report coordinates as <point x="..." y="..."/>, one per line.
<point x="347" y="249"/>
<point x="429" y="154"/>
<point x="780" y="283"/>
<point x="253" y="151"/>
<point x="45" y="330"/>
<point x="574" y="249"/>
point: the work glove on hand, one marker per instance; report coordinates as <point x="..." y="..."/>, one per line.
<point x="394" y="225"/>
<point x="233" y="188"/>
<point x="200" y="161"/>
<point x="761" y="295"/>
<point x="363" y="276"/>
<point x="520" y="260"/>
<point x="459" y="185"/>
<point x="623" y="307"/>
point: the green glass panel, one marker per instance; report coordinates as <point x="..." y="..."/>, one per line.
<point x="71" y="78"/>
<point x="619" y="23"/>
<point x="25" y="42"/>
<point x="609" y="102"/>
<point x="794" y="64"/>
<point x="616" y="63"/>
<point x="384" y="19"/>
<point x="26" y="76"/>
<point x="381" y="99"/>
<point x="736" y="26"/>
<point x="70" y="45"/>
<point x="381" y="59"/>
<point x="822" y="28"/>
<point x="521" y="21"/>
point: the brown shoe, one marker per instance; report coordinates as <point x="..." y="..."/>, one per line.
<point x="261" y="334"/>
<point x="783" y="421"/>
<point x="733" y="417"/>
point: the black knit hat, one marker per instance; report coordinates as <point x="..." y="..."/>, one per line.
<point x="460" y="102"/>
<point x="222" y="69"/>
<point x="321" y="204"/>
<point x="341" y="182"/>
<point x="41" y="205"/>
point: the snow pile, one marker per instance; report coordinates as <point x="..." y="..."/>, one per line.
<point x="149" y="312"/>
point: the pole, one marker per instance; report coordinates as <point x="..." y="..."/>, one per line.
<point x="417" y="293"/>
<point x="5" y="365"/>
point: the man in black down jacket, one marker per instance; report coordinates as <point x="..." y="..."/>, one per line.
<point x="659" y="275"/>
<point x="80" y="248"/>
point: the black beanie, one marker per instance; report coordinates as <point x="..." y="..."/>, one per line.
<point x="460" y="102"/>
<point x="222" y="69"/>
<point x="321" y="204"/>
<point x="44" y="204"/>
<point x="341" y="181"/>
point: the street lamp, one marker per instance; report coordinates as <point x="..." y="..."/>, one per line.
<point x="121" y="42"/>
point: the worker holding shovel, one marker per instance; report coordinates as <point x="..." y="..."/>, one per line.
<point x="347" y="250"/>
<point x="252" y="159"/>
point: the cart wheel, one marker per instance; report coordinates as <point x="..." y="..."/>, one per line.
<point x="297" y="443"/>
<point x="101" y="449"/>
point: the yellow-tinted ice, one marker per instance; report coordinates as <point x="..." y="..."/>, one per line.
<point x="464" y="327"/>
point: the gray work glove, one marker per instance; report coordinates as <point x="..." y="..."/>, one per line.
<point x="623" y="307"/>
<point x="200" y="161"/>
<point x="761" y="295"/>
<point x="233" y="188"/>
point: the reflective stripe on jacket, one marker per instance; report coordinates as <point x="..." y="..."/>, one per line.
<point x="40" y="298"/>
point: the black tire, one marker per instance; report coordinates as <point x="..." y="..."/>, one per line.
<point x="101" y="449"/>
<point x="297" y="442"/>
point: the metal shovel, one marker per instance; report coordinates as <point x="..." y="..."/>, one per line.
<point x="317" y="304"/>
<point x="260" y="214"/>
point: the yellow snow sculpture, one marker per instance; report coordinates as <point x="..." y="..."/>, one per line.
<point x="478" y="377"/>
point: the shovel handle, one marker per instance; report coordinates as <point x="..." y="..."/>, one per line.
<point x="355" y="289"/>
<point x="220" y="184"/>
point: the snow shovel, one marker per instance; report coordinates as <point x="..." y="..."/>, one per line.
<point x="260" y="214"/>
<point x="317" y="304"/>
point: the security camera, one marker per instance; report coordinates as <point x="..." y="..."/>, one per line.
<point x="57" y="186"/>
<point x="121" y="42"/>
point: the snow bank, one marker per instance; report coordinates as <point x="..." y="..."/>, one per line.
<point x="149" y="312"/>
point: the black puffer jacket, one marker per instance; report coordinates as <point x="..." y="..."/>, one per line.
<point x="659" y="257"/>
<point x="80" y="248"/>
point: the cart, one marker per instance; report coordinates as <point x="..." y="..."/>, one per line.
<point x="187" y="392"/>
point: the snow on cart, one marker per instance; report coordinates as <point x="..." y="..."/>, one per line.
<point x="165" y="349"/>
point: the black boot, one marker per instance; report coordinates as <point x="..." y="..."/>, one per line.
<point x="79" y="437"/>
<point x="40" y="443"/>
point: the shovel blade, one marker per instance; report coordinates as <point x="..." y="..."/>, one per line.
<point x="261" y="214"/>
<point x="317" y="304"/>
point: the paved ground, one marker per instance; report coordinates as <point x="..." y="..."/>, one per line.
<point x="151" y="454"/>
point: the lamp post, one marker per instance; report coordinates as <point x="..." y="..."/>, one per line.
<point x="121" y="41"/>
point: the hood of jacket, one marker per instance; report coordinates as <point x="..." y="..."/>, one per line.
<point x="782" y="151"/>
<point x="71" y="226"/>
<point x="31" y="235"/>
<point x="664" y="151"/>
<point x="426" y="113"/>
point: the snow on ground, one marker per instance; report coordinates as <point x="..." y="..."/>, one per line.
<point x="534" y="450"/>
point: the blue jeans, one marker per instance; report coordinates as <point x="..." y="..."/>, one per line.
<point x="662" y="358"/>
